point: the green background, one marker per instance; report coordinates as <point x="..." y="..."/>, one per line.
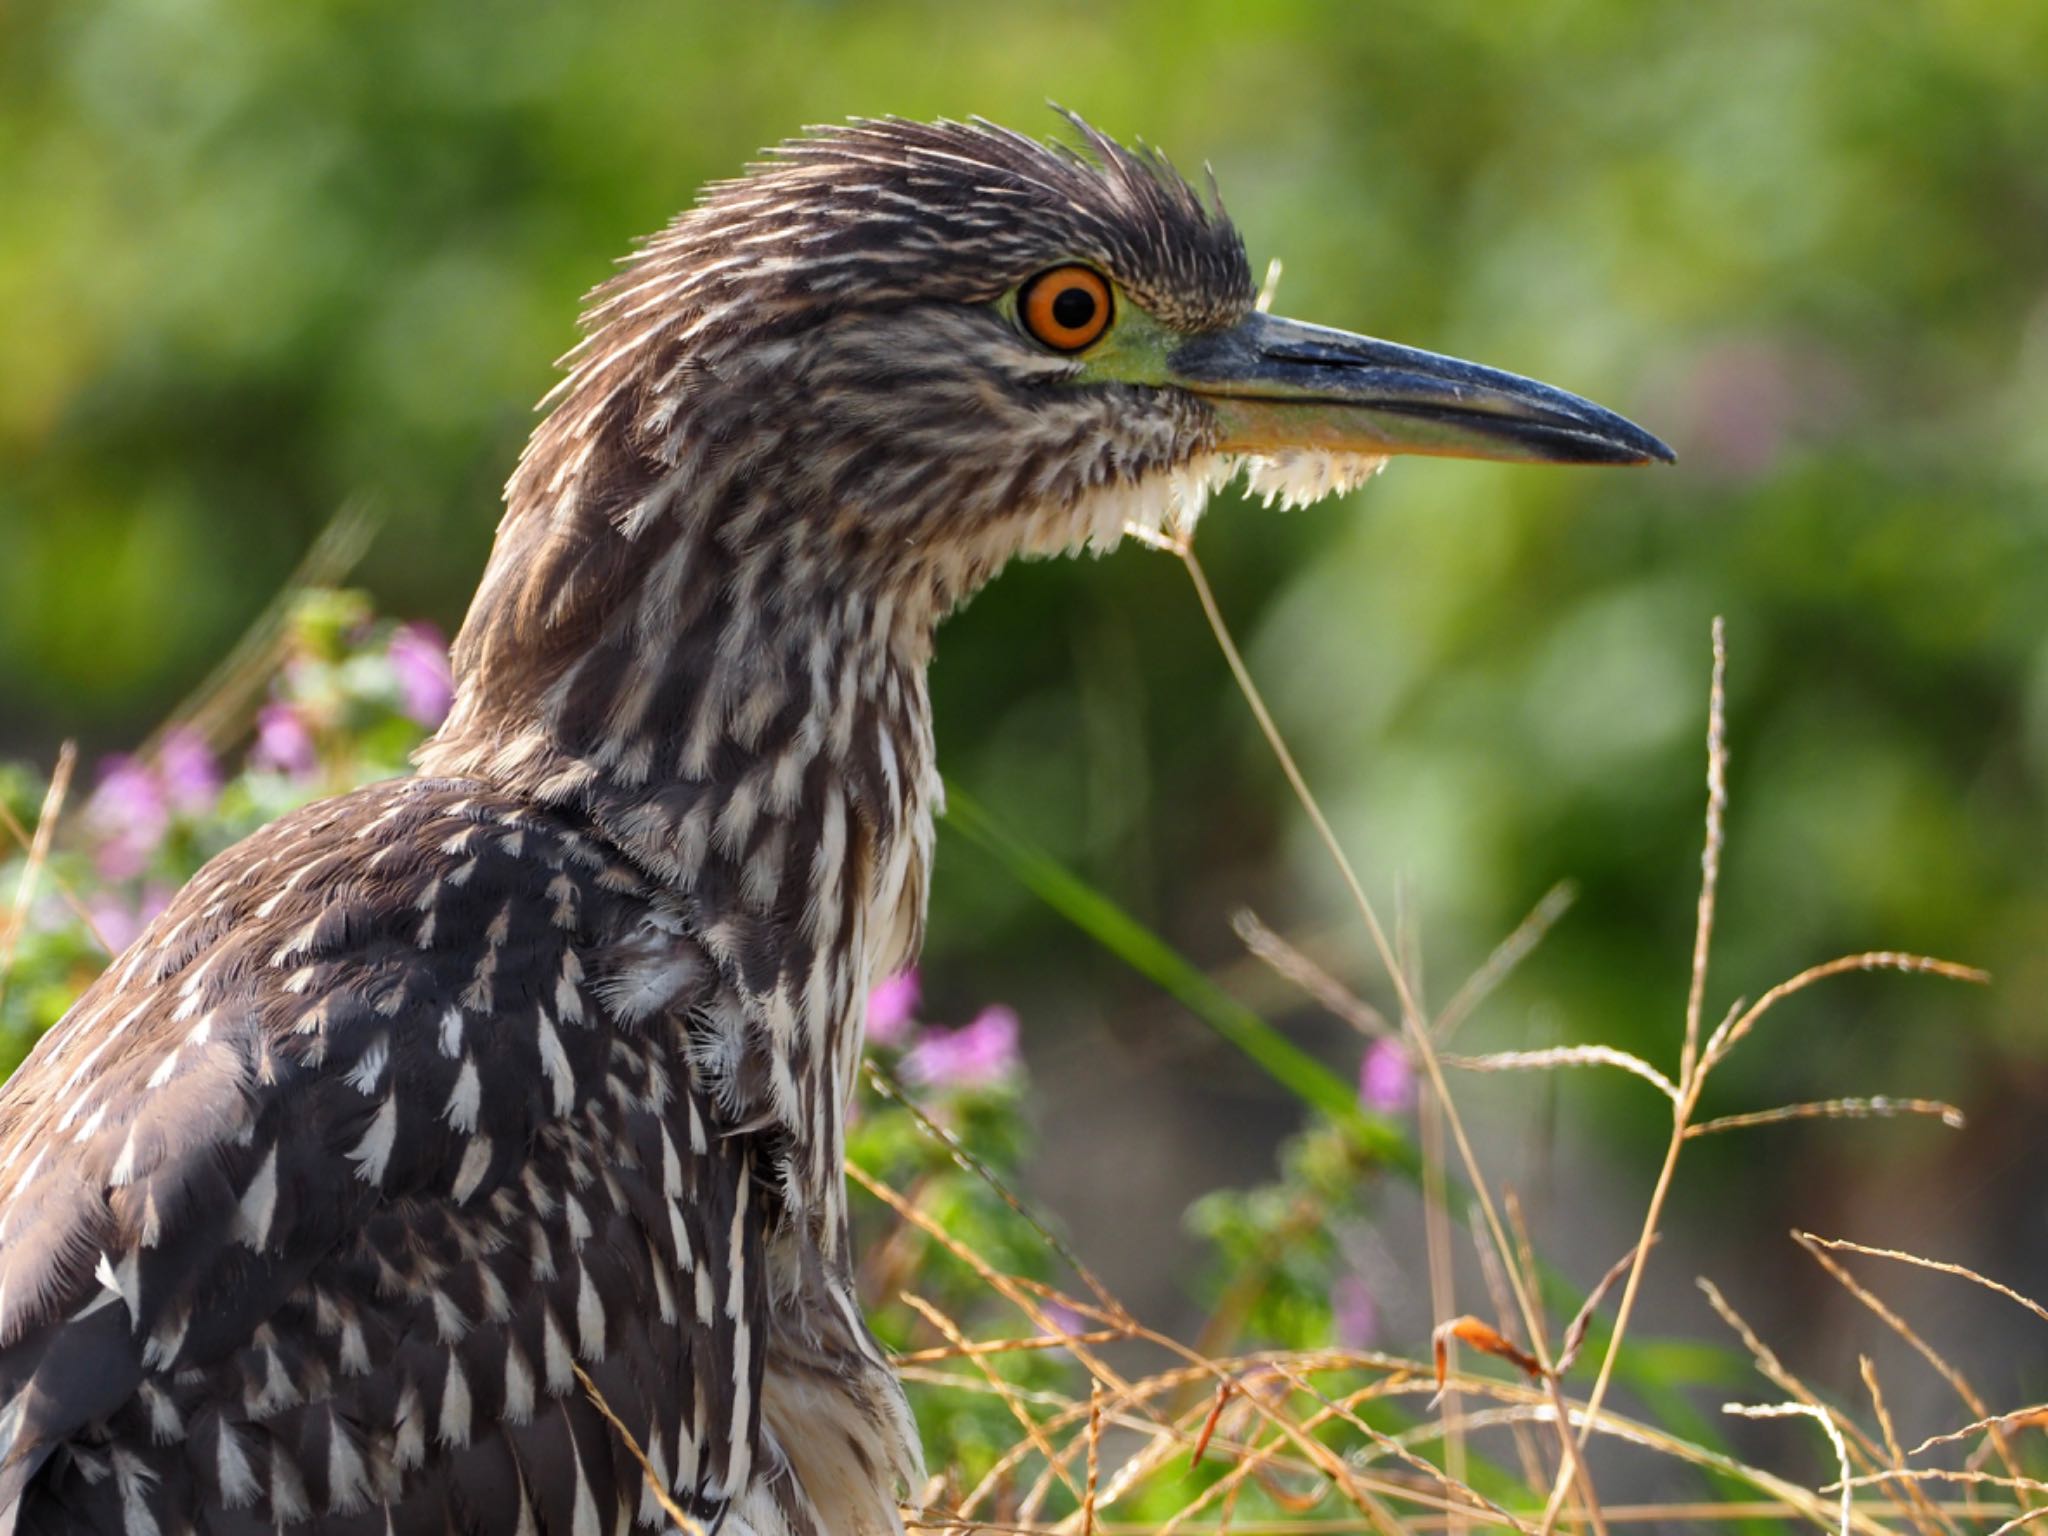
<point x="261" y="260"/>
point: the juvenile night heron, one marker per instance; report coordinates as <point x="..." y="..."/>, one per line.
<point x="421" y="1099"/>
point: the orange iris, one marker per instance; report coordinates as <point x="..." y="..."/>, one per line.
<point x="1067" y="308"/>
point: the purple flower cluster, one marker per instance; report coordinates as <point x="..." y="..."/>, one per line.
<point x="892" y="1009"/>
<point x="133" y="804"/>
<point x="419" y="660"/>
<point x="284" y="742"/>
<point x="978" y="1054"/>
<point x="1386" y="1081"/>
<point x="189" y="772"/>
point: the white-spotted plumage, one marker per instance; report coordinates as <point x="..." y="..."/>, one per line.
<point x="425" y="1104"/>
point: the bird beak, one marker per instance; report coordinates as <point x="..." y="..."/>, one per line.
<point x="1277" y="384"/>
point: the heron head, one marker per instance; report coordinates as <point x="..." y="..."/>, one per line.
<point x="894" y="355"/>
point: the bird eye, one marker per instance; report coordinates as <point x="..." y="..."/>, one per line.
<point x="1067" y="308"/>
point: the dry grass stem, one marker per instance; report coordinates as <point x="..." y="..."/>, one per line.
<point x="981" y="1347"/>
<point x="1094" y="1459"/>
<point x="225" y="701"/>
<point x="1877" y="1107"/>
<point x="38" y="856"/>
<point x="1710" y="853"/>
<point x="2035" y="1417"/>
<point x="25" y="840"/>
<point x="952" y="1334"/>
<point x="1956" y="1380"/>
<point x="1692" y="1069"/>
<point x="1455" y="1489"/>
<point x="1773" y="1370"/>
<point x="890" y="1089"/>
<point x="2017" y="1521"/>
<point x="1575" y="1335"/>
<point x="1948" y="1475"/>
<point x="1826" y="1421"/>
<point x="1732" y="1030"/>
<point x="684" y="1520"/>
<point x="1270" y="286"/>
<point x="1414" y="1025"/>
<point x="1287" y="961"/>
<point x="1565" y="1056"/>
<point x="1674" y="1515"/>
<point x="1495" y="1278"/>
<point x="1300" y="1431"/>
<point x="1926" y="1518"/>
<point x="1960" y="1271"/>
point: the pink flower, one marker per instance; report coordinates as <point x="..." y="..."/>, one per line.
<point x="892" y="1009"/>
<point x="972" y="1056"/>
<point x="130" y="815"/>
<point x="1354" y="1313"/>
<point x="283" y="743"/>
<point x="1385" y="1080"/>
<point x="419" y="657"/>
<point x="188" y="772"/>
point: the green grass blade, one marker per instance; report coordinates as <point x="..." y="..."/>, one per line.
<point x="1152" y="957"/>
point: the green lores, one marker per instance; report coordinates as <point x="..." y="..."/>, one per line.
<point x="1281" y="384"/>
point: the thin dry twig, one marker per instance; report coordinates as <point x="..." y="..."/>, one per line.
<point x="1288" y="961"/>
<point x="1734" y="1028"/>
<point x="890" y="1089"/>
<point x="1710" y="853"/>
<point x="1455" y="1488"/>
<point x="1575" y="1335"/>
<point x="1958" y="1382"/>
<point x="1876" y="1107"/>
<point x="1020" y="1295"/>
<point x="1268" y="1438"/>
<point x="682" y="1517"/>
<point x="1922" y="1510"/>
<point x="1948" y="1475"/>
<point x="2035" y="1417"/>
<point x="1692" y="1067"/>
<point x="1223" y="1390"/>
<point x="1094" y="1459"/>
<point x="1008" y="1393"/>
<point x="1939" y="1266"/>
<point x="2029" y="1518"/>
<point x="1773" y="1370"/>
<point x="38" y="855"/>
<point x="1413" y="1023"/>
<point x="975" y="1347"/>
<point x="25" y="840"/>
<point x="219" y="709"/>
<point x="1565" y="1056"/>
<point x="1491" y="1270"/>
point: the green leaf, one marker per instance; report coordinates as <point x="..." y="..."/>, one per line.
<point x="1152" y="957"/>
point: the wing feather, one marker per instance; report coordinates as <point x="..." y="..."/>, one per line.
<point x="314" y="1203"/>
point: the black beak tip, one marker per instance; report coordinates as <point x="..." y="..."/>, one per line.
<point x="1594" y="436"/>
<point x="1656" y="451"/>
<point x="1612" y="439"/>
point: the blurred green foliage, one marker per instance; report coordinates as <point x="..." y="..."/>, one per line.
<point x="261" y="260"/>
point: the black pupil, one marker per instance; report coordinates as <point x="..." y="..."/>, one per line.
<point x="1073" y="308"/>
